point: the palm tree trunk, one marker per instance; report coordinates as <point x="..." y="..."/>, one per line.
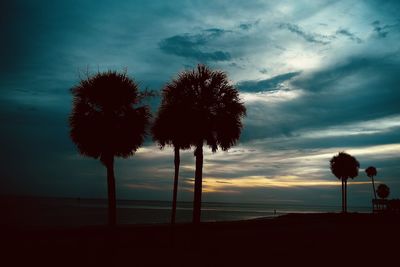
<point x="177" y="162"/>
<point x="373" y="186"/>
<point x="198" y="183"/>
<point x="112" y="203"/>
<point x="342" y="195"/>
<point x="345" y="196"/>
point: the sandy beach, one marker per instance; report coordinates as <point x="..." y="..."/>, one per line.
<point x="315" y="239"/>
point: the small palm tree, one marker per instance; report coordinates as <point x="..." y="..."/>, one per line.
<point x="383" y="191"/>
<point x="344" y="166"/>
<point x="170" y="128"/>
<point x="107" y="120"/>
<point x="213" y="115"/>
<point x="371" y="172"/>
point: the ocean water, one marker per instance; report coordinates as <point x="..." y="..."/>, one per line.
<point x="38" y="211"/>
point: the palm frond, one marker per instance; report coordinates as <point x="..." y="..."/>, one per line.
<point x="344" y="166"/>
<point x="107" y="117"/>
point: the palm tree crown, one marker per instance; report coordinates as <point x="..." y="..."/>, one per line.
<point x="371" y="171"/>
<point x="344" y="166"/>
<point x="104" y="119"/>
<point x="216" y="110"/>
<point x="170" y="127"/>
<point x="200" y="105"/>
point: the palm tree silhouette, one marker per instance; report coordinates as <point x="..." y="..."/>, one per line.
<point x="170" y="128"/>
<point x="213" y="115"/>
<point x="344" y="166"/>
<point x="383" y="191"/>
<point x="107" y="120"/>
<point x="371" y="172"/>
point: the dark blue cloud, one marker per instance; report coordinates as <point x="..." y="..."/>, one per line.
<point x="248" y="26"/>
<point x="309" y="37"/>
<point x="245" y="26"/>
<point x="267" y="84"/>
<point x="193" y="46"/>
<point x="380" y="31"/>
<point x="349" y="34"/>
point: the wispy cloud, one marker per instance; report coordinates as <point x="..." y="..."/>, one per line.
<point x="212" y="184"/>
<point x="348" y="34"/>
<point x="249" y="25"/>
<point x="271" y="97"/>
<point x="370" y="127"/>
<point x="267" y="84"/>
<point x="382" y="30"/>
<point x="308" y="36"/>
<point x="194" y="46"/>
<point x="260" y="165"/>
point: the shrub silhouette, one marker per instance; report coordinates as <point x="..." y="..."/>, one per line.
<point x="107" y="121"/>
<point x="383" y="191"/>
<point x="344" y="166"/>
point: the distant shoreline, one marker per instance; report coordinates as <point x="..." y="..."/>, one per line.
<point x="64" y="212"/>
<point x="292" y="203"/>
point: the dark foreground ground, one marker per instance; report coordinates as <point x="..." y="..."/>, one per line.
<point x="295" y="239"/>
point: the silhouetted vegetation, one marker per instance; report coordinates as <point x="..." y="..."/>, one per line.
<point x="383" y="191"/>
<point x="372" y="172"/>
<point x="200" y="107"/>
<point x="108" y="121"/>
<point x="211" y="113"/>
<point x="383" y="205"/>
<point x="171" y="127"/>
<point x="394" y="205"/>
<point x="344" y="166"/>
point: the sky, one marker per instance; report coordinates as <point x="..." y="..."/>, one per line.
<point x="317" y="77"/>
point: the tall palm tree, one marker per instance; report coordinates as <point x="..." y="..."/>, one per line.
<point x="371" y="172"/>
<point x="344" y="166"/>
<point x="383" y="191"/>
<point x="170" y="128"/>
<point x="108" y="120"/>
<point x="213" y="116"/>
